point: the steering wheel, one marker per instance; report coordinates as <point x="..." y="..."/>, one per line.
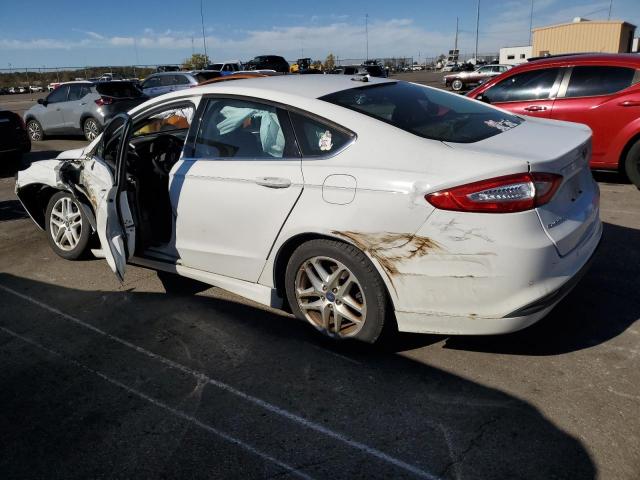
<point x="165" y="152"/>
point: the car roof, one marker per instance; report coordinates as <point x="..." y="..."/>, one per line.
<point x="308" y="86"/>
<point x="75" y="82"/>
<point x="621" y="59"/>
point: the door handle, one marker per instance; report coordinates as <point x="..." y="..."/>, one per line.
<point x="535" y="108"/>
<point x="273" y="182"/>
<point x="630" y="103"/>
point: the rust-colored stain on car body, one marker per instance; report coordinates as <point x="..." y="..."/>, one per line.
<point x="390" y="249"/>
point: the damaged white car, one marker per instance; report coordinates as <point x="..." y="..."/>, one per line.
<point x="352" y="202"/>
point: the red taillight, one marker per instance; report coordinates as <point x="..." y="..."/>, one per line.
<point x="104" y="101"/>
<point x="511" y="193"/>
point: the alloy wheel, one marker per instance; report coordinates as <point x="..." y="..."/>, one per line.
<point x="66" y="224"/>
<point x="35" y="131"/>
<point x="330" y="297"/>
<point x="91" y="129"/>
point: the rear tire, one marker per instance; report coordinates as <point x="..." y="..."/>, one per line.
<point x="68" y="230"/>
<point x="632" y="164"/>
<point x="91" y="129"/>
<point x="34" y="129"/>
<point x="457" y="85"/>
<point x="352" y="306"/>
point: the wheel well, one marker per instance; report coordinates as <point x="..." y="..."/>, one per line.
<point x="84" y="118"/>
<point x="282" y="258"/>
<point x="35" y="199"/>
<point x="625" y="151"/>
<point x="285" y="252"/>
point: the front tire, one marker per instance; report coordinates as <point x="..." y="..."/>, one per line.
<point x="34" y="129"/>
<point x="632" y="164"/>
<point x="335" y="287"/>
<point x="68" y="229"/>
<point x="91" y="129"/>
<point x="457" y="85"/>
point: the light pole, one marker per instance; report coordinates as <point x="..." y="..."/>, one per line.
<point x="531" y="25"/>
<point x="477" y="29"/>
<point x="610" y="5"/>
<point x="204" y="39"/>
<point x="366" y="30"/>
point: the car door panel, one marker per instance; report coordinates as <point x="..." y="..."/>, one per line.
<point x="597" y="96"/>
<point x="229" y="213"/>
<point x="104" y="186"/>
<point x="51" y="118"/>
<point x="231" y="199"/>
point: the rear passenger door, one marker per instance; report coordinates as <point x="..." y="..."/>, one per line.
<point x="594" y="95"/>
<point x="528" y="93"/>
<point x="239" y="178"/>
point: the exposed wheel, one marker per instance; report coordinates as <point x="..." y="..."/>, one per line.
<point x="68" y="229"/>
<point x="632" y="164"/>
<point x="336" y="288"/>
<point x="34" y="129"/>
<point x="91" y="129"/>
<point x="457" y="85"/>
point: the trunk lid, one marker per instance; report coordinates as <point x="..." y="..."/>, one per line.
<point x="563" y="148"/>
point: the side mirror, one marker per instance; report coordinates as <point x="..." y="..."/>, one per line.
<point x="42" y="102"/>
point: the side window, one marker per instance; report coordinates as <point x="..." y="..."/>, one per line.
<point x="532" y="85"/>
<point x="591" y="81"/>
<point x="77" y="91"/>
<point x="167" y="80"/>
<point x="180" y="80"/>
<point x="85" y="90"/>
<point x="172" y="119"/>
<point x="151" y="82"/>
<point x="317" y="138"/>
<point x="58" y="95"/>
<point x="241" y="129"/>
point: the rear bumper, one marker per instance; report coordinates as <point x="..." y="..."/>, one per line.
<point x="494" y="293"/>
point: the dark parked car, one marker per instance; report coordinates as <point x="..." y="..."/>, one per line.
<point x="81" y="107"/>
<point x="14" y="140"/>
<point x="268" y="62"/>
<point x="371" y="70"/>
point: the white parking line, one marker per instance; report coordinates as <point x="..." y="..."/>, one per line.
<point x="158" y="403"/>
<point x="228" y="388"/>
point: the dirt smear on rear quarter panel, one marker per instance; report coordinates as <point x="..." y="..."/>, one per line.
<point x="391" y="249"/>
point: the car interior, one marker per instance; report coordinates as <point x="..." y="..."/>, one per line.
<point x="229" y="129"/>
<point x="154" y="148"/>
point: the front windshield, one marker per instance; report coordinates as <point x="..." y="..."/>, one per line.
<point x="216" y="66"/>
<point x="426" y="112"/>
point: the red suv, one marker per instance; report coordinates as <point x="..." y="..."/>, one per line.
<point x="599" y="90"/>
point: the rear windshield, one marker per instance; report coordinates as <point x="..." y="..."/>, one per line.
<point x="426" y="112"/>
<point x="119" y="89"/>
<point x="203" y="76"/>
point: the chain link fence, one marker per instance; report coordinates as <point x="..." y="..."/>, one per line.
<point x="41" y="77"/>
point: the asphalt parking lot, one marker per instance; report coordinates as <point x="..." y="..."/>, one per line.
<point x="177" y="380"/>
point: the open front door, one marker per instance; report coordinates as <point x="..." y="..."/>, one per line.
<point x="105" y="180"/>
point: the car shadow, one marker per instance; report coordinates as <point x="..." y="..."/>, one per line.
<point x="606" y="176"/>
<point x="445" y="425"/>
<point x="12" y="210"/>
<point x="602" y="306"/>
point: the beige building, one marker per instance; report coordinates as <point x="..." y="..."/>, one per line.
<point x="583" y="35"/>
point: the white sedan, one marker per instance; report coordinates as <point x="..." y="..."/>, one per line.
<point x="351" y="202"/>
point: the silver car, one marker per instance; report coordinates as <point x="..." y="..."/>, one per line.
<point x="80" y="107"/>
<point x="165" y="82"/>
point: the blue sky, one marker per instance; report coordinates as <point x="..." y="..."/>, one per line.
<point x="50" y="33"/>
